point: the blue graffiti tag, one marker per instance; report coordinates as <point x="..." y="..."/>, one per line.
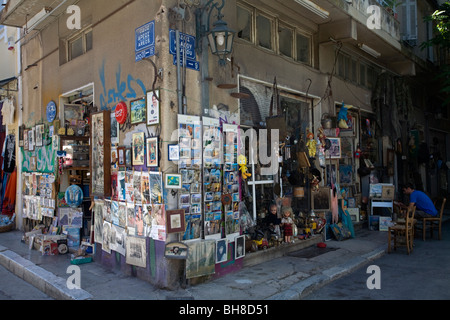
<point x="123" y="91"/>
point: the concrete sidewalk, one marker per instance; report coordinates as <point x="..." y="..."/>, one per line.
<point x="289" y="277"/>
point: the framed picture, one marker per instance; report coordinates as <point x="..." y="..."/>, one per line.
<point x="175" y="221"/>
<point x="174" y="152"/>
<point x="335" y="150"/>
<point x="138" y="149"/>
<point x="240" y="247"/>
<point x="321" y="200"/>
<point x="176" y="250"/>
<point x="152" y="152"/>
<point x="33" y="163"/>
<point x="39" y="135"/>
<point x="128" y="157"/>
<point x="138" y="112"/>
<point x="121" y="155"/>
<point x="100" y="154"/>
<point x="172" y="181"/>
<point x="114" y="129"/>
<point x="153" y="108"/>
<point x="221" y="250"/>
<point x="26" y="142"/>
<point x="73" y="112"/>
<point x="31" y="138"/>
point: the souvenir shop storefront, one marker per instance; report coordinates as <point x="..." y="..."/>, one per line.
<point x="93" y="184"/>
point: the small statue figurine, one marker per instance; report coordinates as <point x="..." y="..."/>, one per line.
<point x="311" y="145"/>
<point x="242" y="161"/>
<point x="342" y="117"/>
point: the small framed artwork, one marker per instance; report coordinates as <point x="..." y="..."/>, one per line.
<point x="240" y="247"/>
<point x="33" y="163"/>
<point x="121" y="155"/>
<point x="175" y="221"/>
<point x="128" y="157"/>
<point x="31" y="139"/>
<point x="335" y="148"/>
<point x="321" y="199"/>
<point x="138" y="149"/>
<point x="153" y="108"/>
<point x="26" y="142"/>
<point x="172" y="181"/>
<point x="176" y="250"/>
<point x="138" y="112"/>
<point x="39" y="135"/>
<point x="221" y="250"/>
<point x="152" y="152"/>
<point x="174" y="152"/>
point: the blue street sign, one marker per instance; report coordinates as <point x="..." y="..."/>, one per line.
<point x="145" y="36"/>
<point x="191" y="64"/>
<point x="145" y="53"/>
<point x="187" y="42"/>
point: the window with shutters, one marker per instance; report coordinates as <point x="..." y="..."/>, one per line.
<point x="408" y="19"/>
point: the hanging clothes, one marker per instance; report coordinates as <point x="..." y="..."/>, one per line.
<point x="9" y="198"/>
<point x="9" y="154"/>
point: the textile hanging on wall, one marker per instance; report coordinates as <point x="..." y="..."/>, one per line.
<point x="391" y="101"/>
<point x="8" y="112"/>
<point x="9" y="154"/>
<point x="9" y="198"/>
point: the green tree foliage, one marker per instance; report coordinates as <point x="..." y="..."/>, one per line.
<point x="441" y="39"/>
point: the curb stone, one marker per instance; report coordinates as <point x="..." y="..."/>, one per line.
<point x="304" y="287"/>
<point x="40" y="278"/>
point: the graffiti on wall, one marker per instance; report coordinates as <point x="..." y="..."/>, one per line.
<point x="45" y="158"/>
<point x="121" y="90"/>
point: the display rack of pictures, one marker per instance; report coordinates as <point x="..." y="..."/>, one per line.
<point x="230" y="191"/>
<point x="212" y="177"/>
<point x="190" y="166"/>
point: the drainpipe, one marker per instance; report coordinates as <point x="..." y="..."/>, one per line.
<point x="179" y="84"/>
<point x="19" y="157"/>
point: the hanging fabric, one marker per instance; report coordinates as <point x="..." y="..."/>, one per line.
<point x="275" y="103"/>
<point x="9" y="199"/>
<point x="9" y="154"/>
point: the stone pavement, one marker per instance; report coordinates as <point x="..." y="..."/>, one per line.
<point x="288" y="277"/>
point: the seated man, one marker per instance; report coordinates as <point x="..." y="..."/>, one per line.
<point x="424" y="206"/>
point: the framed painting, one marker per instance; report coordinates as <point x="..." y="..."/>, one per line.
<point x="128" y="157"/>
<point x="121" y="155"/>
<point x="39" y="135"/>
<point x="137" y="110"/>
<point x="175" y="221"/>
<point x="174" y="152"/>
<point x="221" y="250"/>
<point x="115" y="129"/>
<point x="176" y="250"/>
<point x="100" y="154"/>
<point x="138" y="149"/>
<point x="31" y="139"/>
<point x="240" y="247"/>
<point x="152" y="152"/>
<point x="335" y="149"/>
<point x="26" y="142"/>
<point x="153" y="111"/>
<point x="172" y="181"/>
<point x="321" y="199"/>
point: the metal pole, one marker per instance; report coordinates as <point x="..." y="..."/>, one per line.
<point x="179" y="84"/>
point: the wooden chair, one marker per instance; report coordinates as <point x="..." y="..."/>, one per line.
<point x="434" y="222"/>
<point x="402" y="234"/>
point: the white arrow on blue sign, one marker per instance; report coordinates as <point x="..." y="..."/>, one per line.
<point x="191" y="64"/>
